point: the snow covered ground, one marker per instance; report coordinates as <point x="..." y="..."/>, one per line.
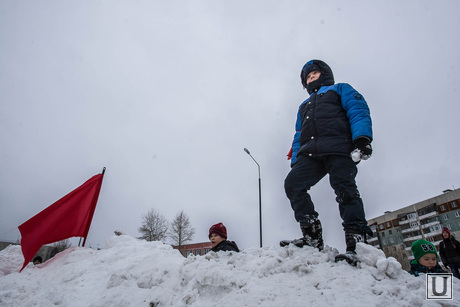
<point x="130" y="272"/>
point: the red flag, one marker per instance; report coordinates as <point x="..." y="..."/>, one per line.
<point x="68" y="217"/>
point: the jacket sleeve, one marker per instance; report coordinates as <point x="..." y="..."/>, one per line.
<point x="442" y="254"/>
<point x="457" y="245"/>
<point x="358" y="112"/>
<point x="296" y="142"/>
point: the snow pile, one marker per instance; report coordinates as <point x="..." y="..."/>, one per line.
<point x="129" y="272"/>
<point x="10" y="259"/>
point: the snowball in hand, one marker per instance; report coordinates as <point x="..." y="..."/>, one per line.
<point x="356" y="155"/>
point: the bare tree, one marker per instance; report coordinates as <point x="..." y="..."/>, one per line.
<point x="154" y="226"/>
<point x="181" y="230"/>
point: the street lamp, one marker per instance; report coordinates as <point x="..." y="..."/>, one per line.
<point x="260" y="197"/>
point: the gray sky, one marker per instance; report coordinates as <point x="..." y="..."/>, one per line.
<point x="166" y="95"/>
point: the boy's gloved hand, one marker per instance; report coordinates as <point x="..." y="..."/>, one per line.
<point x="363" y="144"/>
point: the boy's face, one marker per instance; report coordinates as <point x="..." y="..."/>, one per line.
<point x="215" y="239"/>
<point x="428" y="260"/>
<point x="313" y="76"/>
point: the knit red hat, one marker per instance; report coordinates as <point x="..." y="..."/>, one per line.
<point x="218" y="229"/>
<point x="445" y="229"/>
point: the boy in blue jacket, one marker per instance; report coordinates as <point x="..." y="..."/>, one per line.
<point x="332" y="125"/>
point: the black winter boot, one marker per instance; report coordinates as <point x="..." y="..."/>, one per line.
<point x="352" y="237"/>
<point x="312" y="236"/>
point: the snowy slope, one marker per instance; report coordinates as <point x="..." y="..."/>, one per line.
<point x="129" y="272"/>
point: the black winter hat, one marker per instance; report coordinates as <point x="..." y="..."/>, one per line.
<point x="326" y="78"/>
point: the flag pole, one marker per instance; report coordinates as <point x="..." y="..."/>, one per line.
<point x="96" y="196"/>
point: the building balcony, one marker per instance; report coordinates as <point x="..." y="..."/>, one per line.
<point x="374" y="238"/>
<point x="427" y="215"/>
<point x="413" y="238"/>
<point x="430" y="224"/>
<point x="406" y="221"/>
<point x="433" y="233"/>
<point x="410" y="229"/>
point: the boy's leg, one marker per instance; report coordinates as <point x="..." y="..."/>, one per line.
<point x="342" y="172"/>
<point x="305" y="173"/>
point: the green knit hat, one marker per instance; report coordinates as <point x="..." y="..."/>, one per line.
<point x="422" y="247"/>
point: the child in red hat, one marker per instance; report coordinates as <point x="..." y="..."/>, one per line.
<point x="218" y="238"/>
<point x="449" y="250"/>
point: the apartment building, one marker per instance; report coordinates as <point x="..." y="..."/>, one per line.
<point x="196" y="249"/>
<point x="394" y="232"/>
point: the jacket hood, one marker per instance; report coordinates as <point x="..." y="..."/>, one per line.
<point x="326" y="77"/>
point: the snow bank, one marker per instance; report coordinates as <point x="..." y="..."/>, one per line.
<point x="129" y="272"/>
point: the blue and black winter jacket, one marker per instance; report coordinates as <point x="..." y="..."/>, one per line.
<point x="330" y="120"/>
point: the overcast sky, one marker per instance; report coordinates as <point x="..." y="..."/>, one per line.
<point x="166" y="94"/>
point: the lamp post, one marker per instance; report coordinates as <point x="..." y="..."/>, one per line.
<point x="260" y="196"/>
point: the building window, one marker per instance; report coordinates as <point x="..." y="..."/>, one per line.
<point x="187" y="253"/>
<point x="411" y="216"/>
<point x="413" y="224"/>
<point x="390" y="232"/>
<point x="445" y="216"/>
<point x="197" y="252"/>
<point x="435" y="228"/>
<point x="392" y="241"/>
<point x="381" y="227"/>
<point x="388" y="224"/>
<point x="457" y="213"/>
<point x="207" y="250"/>
<point x="453" y="204"/>
<point x="383" y="234"/>
<point x="443" y="208"/>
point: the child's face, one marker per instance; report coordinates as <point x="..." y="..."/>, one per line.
<point x="313" y="76"/>
<point x="445" y="234"/>
<point x="428" y="260"/>
<point x="215" y="239"/>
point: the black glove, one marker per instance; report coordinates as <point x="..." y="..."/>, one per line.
<point x="364" y="145"/>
